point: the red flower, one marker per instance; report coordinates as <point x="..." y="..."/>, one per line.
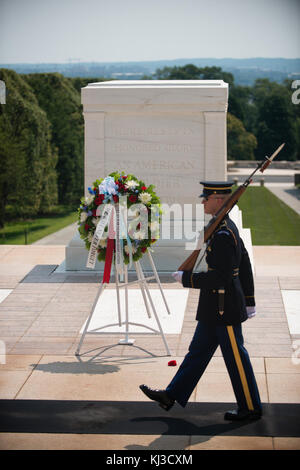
<point x="172" y="363"/>
<point x="121" y="186"/>
<point x="99" y="199"/>
<point x="132" y="198"/>
<point x="124" y="177"/>
<point x="143" y="188"/>
<point x="116" y="198"/>
<point x="86" y="227"/>
<point x="143" y="249"/>
<point x="94" y="211"/>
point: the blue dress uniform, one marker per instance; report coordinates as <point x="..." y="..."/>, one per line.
<point x="226" y="289"/>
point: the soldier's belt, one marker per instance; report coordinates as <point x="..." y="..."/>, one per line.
<point x="235" y="273"/>
<point x="221" y="293"/>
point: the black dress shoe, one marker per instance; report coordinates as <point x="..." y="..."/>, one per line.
<point x="240" y="415"/>
<point x="161" y="396"/>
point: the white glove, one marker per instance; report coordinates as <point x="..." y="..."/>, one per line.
<point x="251" y="312"/>
<point x="178" y="276"/>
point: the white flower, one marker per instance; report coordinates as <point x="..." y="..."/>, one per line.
<point x="131" y="184"/>
<point x="145" y="198"/>
<point x="83" y="216"/>
<point x="95" y="220"/>
<point x="139" y="235"/>
<point x="90" y="237"/>
<point x="126" y="249"/>
<point x="89" y="199"/>
<point x="102" y="242"/>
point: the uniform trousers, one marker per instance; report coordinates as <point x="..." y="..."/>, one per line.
<point x="205" y="341"/>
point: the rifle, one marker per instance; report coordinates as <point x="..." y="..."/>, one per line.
<point x="217" y="219"/>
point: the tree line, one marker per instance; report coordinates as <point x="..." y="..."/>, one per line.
<point x="42" y="133"/>
<point x="41" y="144"/>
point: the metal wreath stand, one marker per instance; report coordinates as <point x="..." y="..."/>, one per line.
<point x="142" y="282"/>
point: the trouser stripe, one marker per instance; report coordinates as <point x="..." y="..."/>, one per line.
<point x="240" y="367"/>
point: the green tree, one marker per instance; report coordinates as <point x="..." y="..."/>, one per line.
<point x="59" y="99"/>
<point x="240" y="104"/>
<point x="81" y="82"/>
<point x="191" y="72"/>
<point x="295" y="108"/>
<point x="12" y="167"/>
<point x="28" y="178"/>
<point x="275" y="122"/>
<point x="240" y="143"/>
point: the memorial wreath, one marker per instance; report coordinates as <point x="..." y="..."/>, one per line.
<point x="112" y="192"/>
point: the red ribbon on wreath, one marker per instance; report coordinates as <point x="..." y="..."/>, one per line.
<point x="109" y="251"/>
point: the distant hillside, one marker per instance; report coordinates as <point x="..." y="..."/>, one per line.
<point x="245" y="71"/>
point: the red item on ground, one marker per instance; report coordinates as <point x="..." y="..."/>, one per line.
<point x="172" y="363"/>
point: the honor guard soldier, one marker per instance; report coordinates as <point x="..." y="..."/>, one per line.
<point x="226" y="301"/>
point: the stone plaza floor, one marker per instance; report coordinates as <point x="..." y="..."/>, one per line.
<point x="42" y="313"/>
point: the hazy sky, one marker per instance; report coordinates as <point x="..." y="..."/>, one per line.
<point x="125" y="30"/>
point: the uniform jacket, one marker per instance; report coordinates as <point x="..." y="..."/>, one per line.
<point x="229" y="267"/>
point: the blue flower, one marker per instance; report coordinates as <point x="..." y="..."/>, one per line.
<point x="108" y="186"/>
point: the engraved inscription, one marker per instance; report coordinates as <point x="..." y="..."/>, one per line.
<point x="137" y="131"/>
<point x="149" y="147"/>
<point x="165" y="149"/>
<point x="152" y="164"/>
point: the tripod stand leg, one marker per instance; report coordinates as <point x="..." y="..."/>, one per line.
<point x="118" y="297"/>
<point x="101" y="289"/>
<point x="139" y="276"/>
<point x="127" y="340"/>
<point x="158" y="282"/>
<point x="155" y="313"/>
